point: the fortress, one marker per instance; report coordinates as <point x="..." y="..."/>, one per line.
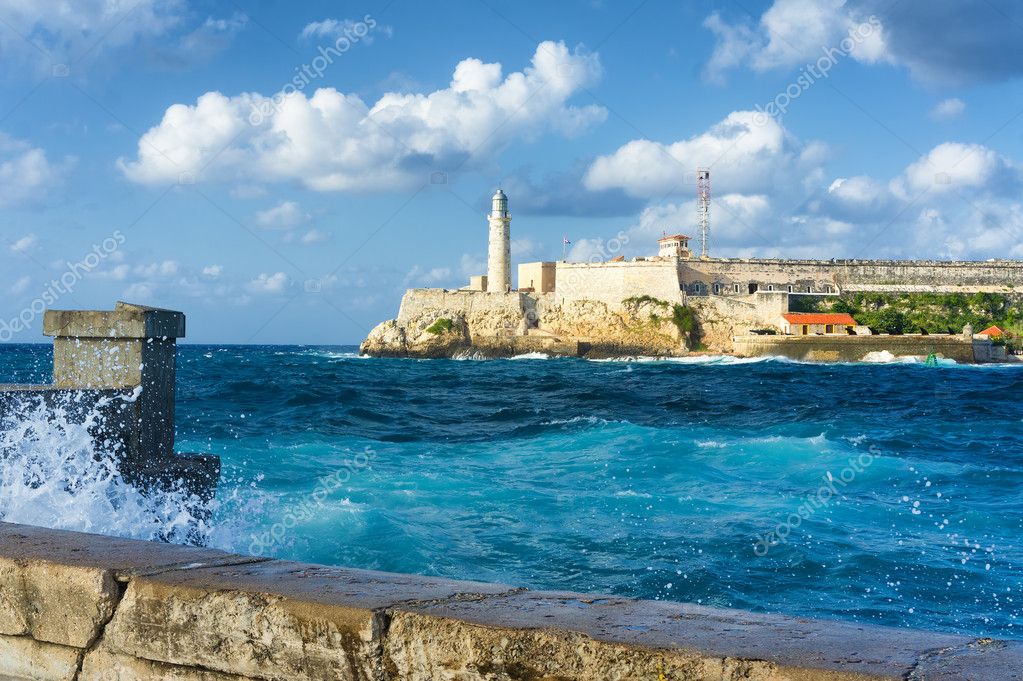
<point x="675" y="273"/>
<point x="613" y="304"/>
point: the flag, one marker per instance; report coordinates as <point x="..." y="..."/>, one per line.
<point x="565" y="241"/>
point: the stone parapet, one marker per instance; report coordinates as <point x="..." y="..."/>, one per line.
<point x="93" y="608"/>
<point x="855" y="348"/>
<point x="121" y="364"/>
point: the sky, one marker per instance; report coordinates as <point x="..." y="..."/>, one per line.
<point x="283" y="171"/>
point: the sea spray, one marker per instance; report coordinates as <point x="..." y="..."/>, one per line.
<point x="54" y="473"/>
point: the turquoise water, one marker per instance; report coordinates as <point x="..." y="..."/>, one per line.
<point x="890" y="494"/>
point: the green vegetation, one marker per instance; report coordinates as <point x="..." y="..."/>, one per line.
<point x="922" y="312"/>
<point x="442" y="325"/>
<point x="682" y="317"/>
<point x="639" y="300"/>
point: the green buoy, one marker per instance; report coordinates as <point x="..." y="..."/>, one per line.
<point x="932" y="360"/>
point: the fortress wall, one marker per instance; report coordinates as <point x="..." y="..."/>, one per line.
<point x="81" y="607"/>
<point x="486" y="313"/>
<point x="880" y="275"/>
<point x="613" y="282"/>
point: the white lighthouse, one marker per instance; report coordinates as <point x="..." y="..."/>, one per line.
<point x="499" y="256"/>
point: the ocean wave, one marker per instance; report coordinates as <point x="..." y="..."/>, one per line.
<point x="532" y="355"/>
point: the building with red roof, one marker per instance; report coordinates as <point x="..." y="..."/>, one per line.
<point x="817" y="323"/>
<point x="992" y="332"/>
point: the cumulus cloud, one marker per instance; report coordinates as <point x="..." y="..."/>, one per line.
<point x="421" y="276"/>
<point x="354" y="31"/>
<point x="314" y="236"/>
<point x="332" y="141"/>
<point x="68" y="31"/>
<point x="269" y="283"/>
<point x="952" y="167"/>
<point x="26" y="174"/>
<point x="24" y="244"/>
<point x="979" y="38"/>
<point x="795" y="33"/>
<point x="20" y="286"/>
<point x="747" y="153"/>
<point x="285" y="215"/>
<point x="948" y="109"/>
<point x="213" y="271"/>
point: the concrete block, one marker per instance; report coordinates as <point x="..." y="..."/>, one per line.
<point x="569" y="636"/>
<point x="62" y="587"/>
<point x="104" y="666"/>
<point x="24" y="658"/>
<point x="274" y="620"/>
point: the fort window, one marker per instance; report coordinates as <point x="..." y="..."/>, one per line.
<point x="790" y="289"/>
<point x="752" y="288"/>
<point x="737" y="288"/>
<point x="717" y="288"/>
<point x="770" y="287"/>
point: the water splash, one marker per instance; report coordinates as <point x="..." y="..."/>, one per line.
<point x="54" y="474"/>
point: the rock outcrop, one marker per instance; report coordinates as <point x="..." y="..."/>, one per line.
<point x="436" y="323"/>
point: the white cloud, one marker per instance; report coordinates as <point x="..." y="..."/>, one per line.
<point x="68" y="31"/>
<point x="314" y="236"/>
<point x="331" y="141"/>
<point x="952" y="166"/>
<point x="24" y="244"/>
<point x="747" y="153"/>
<point x="285" y="215"/>
<point x="979" y="38"/>
<point x="140" y="292"/>
<point x="212" y="271"/>
<point x="419" y="276"/>
<point x="26" y="175"/>
<point x="948" y="109"/>
<point x="19" y="286"/>
<point x="353" y="31"/>
<point x="269" y="283"/>
<point x="794" y="33"/>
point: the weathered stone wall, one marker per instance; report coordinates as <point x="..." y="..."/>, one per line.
<point x="855" y="348"/>
<point x="820" y="276"/>
<point x="613" y="282"/>
<point x="721" y="318"/>
<point x="438" y="323"/>
<point x="77" y="607"/>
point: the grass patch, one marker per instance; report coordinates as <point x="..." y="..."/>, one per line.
<point x="442" y="325"/>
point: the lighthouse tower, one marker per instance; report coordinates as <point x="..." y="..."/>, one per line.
<point x="499" y="258"/>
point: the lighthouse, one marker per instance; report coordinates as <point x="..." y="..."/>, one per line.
<point x="499" y="256"/>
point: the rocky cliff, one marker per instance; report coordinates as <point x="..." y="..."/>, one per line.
<point x="435" y="323"/>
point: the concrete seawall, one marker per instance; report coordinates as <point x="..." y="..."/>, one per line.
<point x="855" y="348"/>
<point x="91" y="608"/>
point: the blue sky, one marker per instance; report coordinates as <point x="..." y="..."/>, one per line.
<point x="211" y="159"/>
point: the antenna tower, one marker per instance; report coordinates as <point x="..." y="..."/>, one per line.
<point x="703" y="207"/>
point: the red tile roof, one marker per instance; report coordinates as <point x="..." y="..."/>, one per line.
<point x="992" y="331"/>
<point x="839" y="319"/>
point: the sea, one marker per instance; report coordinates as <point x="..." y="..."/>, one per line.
<point x="887" y="493"/>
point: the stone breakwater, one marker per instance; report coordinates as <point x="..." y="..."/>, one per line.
<point x="439" y="323"/>
<point x="92" y="608"/>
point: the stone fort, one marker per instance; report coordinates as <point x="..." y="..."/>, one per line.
<point x="675" y="274"/>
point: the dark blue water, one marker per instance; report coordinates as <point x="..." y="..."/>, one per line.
<point x="891" y="494"/>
